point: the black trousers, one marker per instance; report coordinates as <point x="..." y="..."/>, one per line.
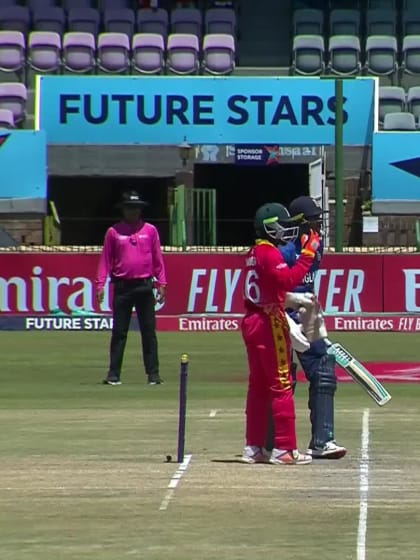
<point x="138" y="294"/>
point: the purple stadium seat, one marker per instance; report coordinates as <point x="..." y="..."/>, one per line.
<point x="182" y="57"/>
<point x="44" y="49"/>
<point x="148" y="49"/>
<point x="6" y="3"/>
<point x="79" y="52"/>
<point x="12" y="51"/>
<point x="114" y="4"/>
<point x="77" y="4"/>
<point x="15" y="18"/>
<point x="153" y="21"/>
<point x="220" y="20"/>
<point x="84" y="20"/>
<point x="120" y="21"/>
<point x="219" y="54"/>
<point x="13" y="97"/>
<point x="113" y="52"/>
<point x="35" y="4"/>
<point x="6" y="119"/>
<point x="187" y="20"/>
<point x="50" y="18"/>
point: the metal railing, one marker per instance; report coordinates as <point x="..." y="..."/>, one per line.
<point x="192" y="216"/>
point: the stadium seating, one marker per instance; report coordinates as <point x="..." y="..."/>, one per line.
<point x="61" y="23"/>
<point x="399" y="121"/>
<point x="345" y="22"/>
<point x="183" y="53"/>
<point x="411" y="22"/>
<point x="391" y="100"/>
<point x="153" y="21"/>
<point x="15" y="18"/>
<point x="308" y="22"/>
<point x="308" y="55"/>
<point x="187" y="20"/>
<point x="148" y="53"/>
<point x="382" y="4"/>
<point x="12" y="51"/>
<point x="13" y="97"/>
<point x="34" y="4"/>
<point x="344" y="4"/>
<point x="413" y="102"/>
<point x="84" y="20"/>
<point x="119" y="21"/>
<point x="220" y="20"/>
<point x="80" y="4"/>
<point x="79" y="50"/>
<point x="114" y="4"/>
<point x="381" y="55"/>
<point x="47" y="18"/>
<point x="219" y="54"/>
<point x="44" y="48"/>
<point x="114" y="53"/>
<point x="376" y="37"/>
<point x="411" y="5"/>
<point x="344" y="55"/>
<point x="381" y="22"/>
<point x="6" y="119"/>
<point x="411" y="55"/>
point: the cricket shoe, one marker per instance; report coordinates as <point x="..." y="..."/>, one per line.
<point x="294" y="457"/>
<point x="253" y="454"/>
<point x="330" y="451"/>
<point x="154" y="380"/>
<point x="111" y="381"/>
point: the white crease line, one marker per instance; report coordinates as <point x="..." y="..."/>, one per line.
<point x="213" y="413"/>
<point x="173" y="483"/>
<point x="364" y="488"/>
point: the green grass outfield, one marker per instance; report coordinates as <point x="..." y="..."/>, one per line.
<point x="83" y="474"/>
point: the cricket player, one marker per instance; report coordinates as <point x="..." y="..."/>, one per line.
<point x="318" y="366"/>
<point x="266" y="335"/>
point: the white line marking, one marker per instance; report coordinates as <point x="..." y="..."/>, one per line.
<point x="213" y="413"/>
<point x="173" y="483"/>
<point x="364" y="488"/>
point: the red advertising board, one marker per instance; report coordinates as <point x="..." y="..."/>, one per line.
<point x="401" y="278"/>
<point x="37" y="283"/>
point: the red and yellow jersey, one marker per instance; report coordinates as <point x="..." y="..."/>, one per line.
<point x="268" y="277"/>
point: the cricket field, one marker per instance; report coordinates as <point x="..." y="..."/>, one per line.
<point x="84" y="475"/>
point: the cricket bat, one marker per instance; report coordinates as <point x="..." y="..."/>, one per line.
<point x="352" y="366"/>
<point x="359" y="373"/>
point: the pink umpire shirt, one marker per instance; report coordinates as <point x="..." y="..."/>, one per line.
<point x="131" y="251"/>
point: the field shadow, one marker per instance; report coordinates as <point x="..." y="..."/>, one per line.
<point x="237" y="460"/>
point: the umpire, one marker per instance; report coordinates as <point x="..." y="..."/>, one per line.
<point x="132" y="257"/>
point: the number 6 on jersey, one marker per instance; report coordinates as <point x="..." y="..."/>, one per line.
<point x="252" y="289"/>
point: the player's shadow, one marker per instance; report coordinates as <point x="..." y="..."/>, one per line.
<point x="228" y="461"/>
<point x="238" y="460"/>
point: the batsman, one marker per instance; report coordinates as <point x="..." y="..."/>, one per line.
<point x="317" y="364"/>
